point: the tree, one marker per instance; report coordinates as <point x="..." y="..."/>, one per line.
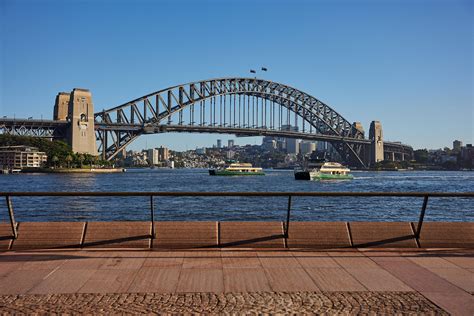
<point x="80" y="159"/>
<point x="55" y="160"/>
<point x="421" y="155"/>
<point x="450" y="165"/>
<point x="69" y="160"/>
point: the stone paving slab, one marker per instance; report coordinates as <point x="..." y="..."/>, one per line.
<point x="210" y="303"/>
<point x="446" y="235"/>
<point x="252" y="234"/>
<point x="118" y="234"/>
<point x="446" y="283"/>
<point x="432" y="286"/>
<point x="318" y="235"/>
<point x="6" y="236"/>
<point x="48" y="235"/>
<point x="382" y="234"/>
<point x="173" y="235"/>
<point x="198" y="235"/>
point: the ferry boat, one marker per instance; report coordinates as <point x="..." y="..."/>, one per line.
<point x="327" y="171"/>
<point x="237" y="169"/>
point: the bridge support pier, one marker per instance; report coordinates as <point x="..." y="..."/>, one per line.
<point x="77" y="109"/>
<point x="376" y="147"/>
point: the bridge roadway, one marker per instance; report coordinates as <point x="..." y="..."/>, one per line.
<point x="56" y="129"/>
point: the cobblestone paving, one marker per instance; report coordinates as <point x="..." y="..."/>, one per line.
<point x="262" y="302"/>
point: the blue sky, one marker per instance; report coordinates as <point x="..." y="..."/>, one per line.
<point x="406" y="63"/>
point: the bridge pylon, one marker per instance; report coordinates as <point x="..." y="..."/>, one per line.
<point x="76" y="108"/>
<point x="376" y="146"/>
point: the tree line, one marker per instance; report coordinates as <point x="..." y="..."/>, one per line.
<point x="60" y="154"/>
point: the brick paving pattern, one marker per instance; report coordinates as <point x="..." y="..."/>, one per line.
<point x="254" y="302"/>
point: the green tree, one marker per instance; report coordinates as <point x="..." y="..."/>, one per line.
<point x="69" y="159"/>
<point x="55" y="160"/>
<point x="421" y="155"/>
<point x="80" y="160"/>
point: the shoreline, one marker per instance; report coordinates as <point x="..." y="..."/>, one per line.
<point x="75" y="170"/>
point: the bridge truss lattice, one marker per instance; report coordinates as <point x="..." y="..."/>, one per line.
<point x="241" y="106"/>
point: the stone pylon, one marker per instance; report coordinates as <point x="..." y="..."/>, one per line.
<point x="376" y="148"/>
<point x="77" y="109"/>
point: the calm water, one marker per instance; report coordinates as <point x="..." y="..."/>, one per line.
<point x="238" y="208"/>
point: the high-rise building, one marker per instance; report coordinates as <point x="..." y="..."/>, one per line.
<point x="219" y="143"/>
<point x="230" y="143"/>
<point x="292" y="144"/>
<point x="322" y="146"/>
<point x="467" y="153"/>
<point x="269" y="143"/>
<point x="457" y="144"/>
<point x="307" y="147"/>
<point x="152" y="156"/>
<point x="163" y="153"/>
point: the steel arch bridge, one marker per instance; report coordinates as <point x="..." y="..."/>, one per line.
<point x="241" y="106"/>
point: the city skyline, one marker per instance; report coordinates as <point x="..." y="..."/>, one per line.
<point x="415" y="77"/>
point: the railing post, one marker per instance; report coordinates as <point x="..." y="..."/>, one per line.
<point x="152" y="217"/>
<point x="422" y="216"/>
<point x="288" y="216"/>
<point x="12" y="216"/>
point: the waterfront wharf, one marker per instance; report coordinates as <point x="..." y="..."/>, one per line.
<point x="237" y="267"/>
<point x="216" y="234"/>
<point x="334" y="281"/>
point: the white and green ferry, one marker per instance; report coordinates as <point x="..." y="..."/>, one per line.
<point x="237" y="169"/>
<point x="327" y="171"/>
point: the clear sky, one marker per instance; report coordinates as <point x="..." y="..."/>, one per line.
<point x="407" y="63"/>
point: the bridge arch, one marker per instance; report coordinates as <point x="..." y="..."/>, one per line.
<point x="248" y="106"/>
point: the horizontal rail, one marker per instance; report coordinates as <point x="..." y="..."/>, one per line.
<point x="258" y="194"/>
<point x="151" y="195"/>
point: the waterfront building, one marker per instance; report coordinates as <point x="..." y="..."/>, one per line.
<point x="19" y="157"/>
<point x="457" y="144"/>
<point x="307" y="147"/>
<point x="292" y="144"/>
<point x="163" y="153"/>
<point x="219" y="143"/>
<point x="467" y="154"/>
<point x="230" y="143"/>
<point x="322" y="146"/>
<point x="448" y="158"/>
<point x="138" y="159"/>
<point x="153" y="156"/>
<point x="269" y="143"/>
<point x="230" y="154"/>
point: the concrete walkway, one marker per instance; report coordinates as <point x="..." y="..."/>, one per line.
<point x="234" y="280"/>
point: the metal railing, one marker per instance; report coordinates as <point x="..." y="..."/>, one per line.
<point x="425" y="195"/>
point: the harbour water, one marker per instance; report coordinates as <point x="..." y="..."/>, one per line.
<point x="238" y="208"/>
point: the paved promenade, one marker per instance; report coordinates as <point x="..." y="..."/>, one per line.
<point x="234" y="280"/>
